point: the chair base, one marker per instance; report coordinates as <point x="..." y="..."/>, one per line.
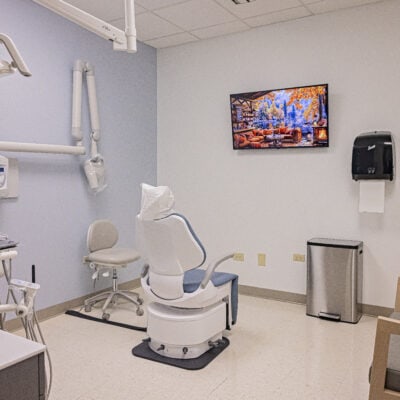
<point x="185" y="333"/>
<point x="111" y="297"/>
<point x="185" y="352"/>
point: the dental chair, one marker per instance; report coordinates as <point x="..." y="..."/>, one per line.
<point x="189" y="307"/>
<point x="101" y="239"/>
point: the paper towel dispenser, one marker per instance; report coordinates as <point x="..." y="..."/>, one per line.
<point x="373" y="156"/>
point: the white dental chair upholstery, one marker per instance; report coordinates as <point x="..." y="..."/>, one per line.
<point x="101" y="239"/>
<point x="189" y="307"/>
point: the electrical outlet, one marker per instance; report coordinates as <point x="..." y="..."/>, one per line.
<point x="299" y="257"/>
<point x="261" y="260"/>
<point x="238" y="256"/>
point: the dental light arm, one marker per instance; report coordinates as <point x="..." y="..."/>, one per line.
<point x="130" y="28"/>
<point x="125" y="41"/>
<point x="77" y="102"/>
<point x="94" y="112"/>
<point x="82" y="68"/>
<point x="17" y="61"/>
<point x="94" y="166"/>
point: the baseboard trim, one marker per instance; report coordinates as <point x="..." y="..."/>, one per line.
<point x="270" y="294"/>
<point x="289" y="297"/>
<point x="375" y="311"/>
<point x="52" y="311"/>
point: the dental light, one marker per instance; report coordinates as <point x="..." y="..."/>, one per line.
<point x="17" y="61"/>
<point x="124" y="41"/>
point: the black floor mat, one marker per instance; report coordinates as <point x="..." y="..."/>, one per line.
<point x="120" y="324"/>
<point x="143" y="350"/>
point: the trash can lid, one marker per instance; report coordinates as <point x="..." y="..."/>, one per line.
<point x="347" y="244"/>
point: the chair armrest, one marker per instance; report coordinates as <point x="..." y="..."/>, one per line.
<point x="384" y="328"/>
<point x="212" y="267"/>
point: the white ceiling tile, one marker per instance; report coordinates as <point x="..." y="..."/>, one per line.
<point x="118" y="23"/>
<point x="153" y="4"/>
<point x="173" y="40"/>
<point x="219" y="30"/>
<point x="196" y="14"/>
<point x="272" y="18"/>
<point x="139" y="9"/>
<point x="332" y="5"/>
<point x="247" y="10"/>
<point x="150" y="26"/>
<point x="104" y="9"/>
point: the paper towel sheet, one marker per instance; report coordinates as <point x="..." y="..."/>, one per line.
<point x="372" y="196"/>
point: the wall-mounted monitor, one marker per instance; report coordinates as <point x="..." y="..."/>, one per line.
<point x="281" y="118"/>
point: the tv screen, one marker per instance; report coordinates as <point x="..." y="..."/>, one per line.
<point x="282" y="118"/>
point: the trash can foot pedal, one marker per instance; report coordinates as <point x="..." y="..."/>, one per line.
<point x="325" y="315"/>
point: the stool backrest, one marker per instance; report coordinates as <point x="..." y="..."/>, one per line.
<point x="102" y="234"/>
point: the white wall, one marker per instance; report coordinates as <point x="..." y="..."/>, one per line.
<point x="273" y="201"/>
<point x="54" y="209"/>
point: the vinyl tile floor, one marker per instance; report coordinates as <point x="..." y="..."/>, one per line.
<point x="276" y="352"/>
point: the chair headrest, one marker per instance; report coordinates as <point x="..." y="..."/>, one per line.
<point x="157" y="202"/>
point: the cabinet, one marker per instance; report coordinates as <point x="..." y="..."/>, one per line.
<point x="22" y="369"/>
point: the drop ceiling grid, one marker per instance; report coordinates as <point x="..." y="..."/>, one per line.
<point x="191" y="20"/>
<point x="164" y="23"/>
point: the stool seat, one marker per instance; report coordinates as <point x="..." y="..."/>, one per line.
<point x="118" y="256"/>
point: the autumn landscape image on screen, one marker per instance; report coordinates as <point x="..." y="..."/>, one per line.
<point x="283" y="118"/>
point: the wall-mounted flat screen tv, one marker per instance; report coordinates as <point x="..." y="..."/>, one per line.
<point x="282" y="118"/>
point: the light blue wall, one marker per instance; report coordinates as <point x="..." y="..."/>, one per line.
<point x="51" y="216"/>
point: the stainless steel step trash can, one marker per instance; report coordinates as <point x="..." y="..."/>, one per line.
<point x="334" y="279"/>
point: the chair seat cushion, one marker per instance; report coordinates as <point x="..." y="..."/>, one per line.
<point x="192" y="280"/>
<point x="393" y="366"/>
<point x="114" y="256"/>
